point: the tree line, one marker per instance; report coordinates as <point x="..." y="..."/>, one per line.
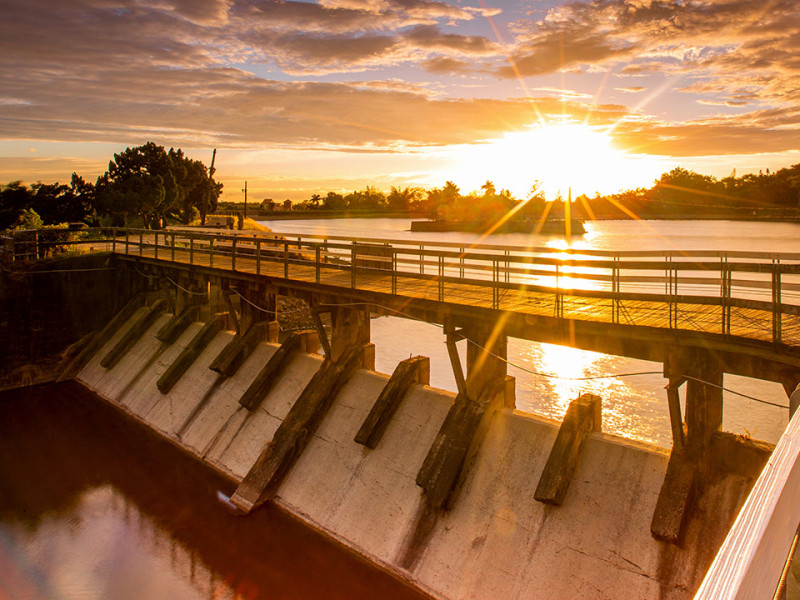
<point x="150" y="186"/>
<point x="145" y="186"/>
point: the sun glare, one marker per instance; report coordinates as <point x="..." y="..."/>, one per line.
<point x="564" y="157"/>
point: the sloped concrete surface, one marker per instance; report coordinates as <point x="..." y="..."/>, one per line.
<point x="497" y="542"/>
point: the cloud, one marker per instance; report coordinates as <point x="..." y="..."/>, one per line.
<point x="734" y="41"/>
<point x="632" y="90"/>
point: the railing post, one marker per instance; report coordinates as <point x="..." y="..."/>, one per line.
<point x="559" y="297"/>
<point x="725" y="292"/>
<point x="353" y="265"/>
<point x="141" y="241"/>
<point x="127" y="241"/>
<point x="286" y="259"/>
<point x="421" y="259"/>
<point x="441" y="278"/>
<point x="496" y="283"/>
<point x="776" y="304"/>
<point x="172" y="245"/>
<point x="211" y="251"/>
<point x="191" y="250"/>
<point x="155" y="248"/>
<point x="233" y="254"/>
<point x="113" y="240"/>
<point x="394" y="271"/>
<point x="317" y="261"/>
<point x="258" y="257"/>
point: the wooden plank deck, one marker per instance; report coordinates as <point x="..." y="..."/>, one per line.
<point x="750" y="323"/>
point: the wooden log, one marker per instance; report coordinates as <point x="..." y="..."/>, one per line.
<point x="173" y="328"/>
<point x="583" y="416"/>
<point x="675" y="499"/>
<point x="98" y="339"/>
<point x="133" y="334"/>
<point x="238" y="349"/>
<point x="407" y="373"/>
<point x="456" y="444"/>
<point x="277" y="363"/>
<point x="265" y="476"/>
<point x="190" y="354"/>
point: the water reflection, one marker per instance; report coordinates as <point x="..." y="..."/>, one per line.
<point x="93" y="506"/>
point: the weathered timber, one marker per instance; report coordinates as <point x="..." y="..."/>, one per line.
<point x="226" y="294"/>
<point x="455" y="361"/>
<point x="239" y="348"/>
<point x="323" y="336"/>
<point x="583" y="416"/>
<point x="456" y="443"/>
<point x="133" y="334"/>
<point x="675" y="417"/>
<point x="99" y="338"/>
<point x="173" y="328"/>
<point x="193" y="350"/>
<point x="407" y="373"/>
<point x="265" y="476"/>
<point x="296" y="342"/>
<point x="675" y="499"/>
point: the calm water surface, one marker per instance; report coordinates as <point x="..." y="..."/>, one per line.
<point x="633" y="407"/>
<point x="94" y="507"/>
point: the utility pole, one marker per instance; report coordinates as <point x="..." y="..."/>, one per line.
<point x="245" y="199"/>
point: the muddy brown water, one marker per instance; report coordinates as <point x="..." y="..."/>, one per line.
<point x="93" y="505"/>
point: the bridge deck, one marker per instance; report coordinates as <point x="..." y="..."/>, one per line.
<point x="695" y="314"/>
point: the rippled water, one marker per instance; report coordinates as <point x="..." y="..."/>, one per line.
<point x="633" y="407"/>
<point x="94" y="507"/>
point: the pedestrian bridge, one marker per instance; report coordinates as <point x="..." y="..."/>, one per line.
<point x="700" y="313"/>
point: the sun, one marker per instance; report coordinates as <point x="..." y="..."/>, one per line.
<point x="565" y="157"/>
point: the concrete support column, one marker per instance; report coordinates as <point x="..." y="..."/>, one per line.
<point x="258" y="305"/>
<point x="351" y="327"/>
<point x="703" y="401"/>
<point x="487" y="350"/>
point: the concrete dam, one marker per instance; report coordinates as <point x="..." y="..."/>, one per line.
<point x="461" y="495"/>
<point x="494" y="540"/>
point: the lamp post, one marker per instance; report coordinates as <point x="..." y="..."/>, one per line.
<point x="245" y="199"/>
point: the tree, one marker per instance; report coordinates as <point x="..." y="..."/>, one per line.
<point x="153" y="184"/>
<point x="403" y="199"/>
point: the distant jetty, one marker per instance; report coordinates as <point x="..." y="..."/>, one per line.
<point x="546" y="227"/>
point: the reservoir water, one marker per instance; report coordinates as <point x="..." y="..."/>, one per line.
<point x="633" y="406"/>
<point x="95" y="507"/>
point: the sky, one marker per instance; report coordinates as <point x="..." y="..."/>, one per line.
<point x="308" y="97"/>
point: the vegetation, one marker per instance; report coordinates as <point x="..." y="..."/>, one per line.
<point x="145" y="185"/>
<point x="150" y="186"/>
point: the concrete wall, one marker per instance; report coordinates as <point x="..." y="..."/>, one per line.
<point x="497" y="541"/>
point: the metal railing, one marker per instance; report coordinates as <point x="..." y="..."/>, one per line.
<point x="712" y="286"/>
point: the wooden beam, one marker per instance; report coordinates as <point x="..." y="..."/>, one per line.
<point x="295" y="343"/>
<point x="323" y="337"/>
<point x="265" y="476"/>
<point x="226" y="294"/>
<point x="407" y="373"/>
<point x="583" y="417"/>
<point x="190" y="354"/>
<point x="455" y="446"/>
<point x="133" y="334"/>
<point x="173" y="328"/>
<point x="98" y="339"/>
<point x="675" y="500"/>
<point x="239" y="348"/>
<point x="451" y="337"/>
<point x="675" y="417"/>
